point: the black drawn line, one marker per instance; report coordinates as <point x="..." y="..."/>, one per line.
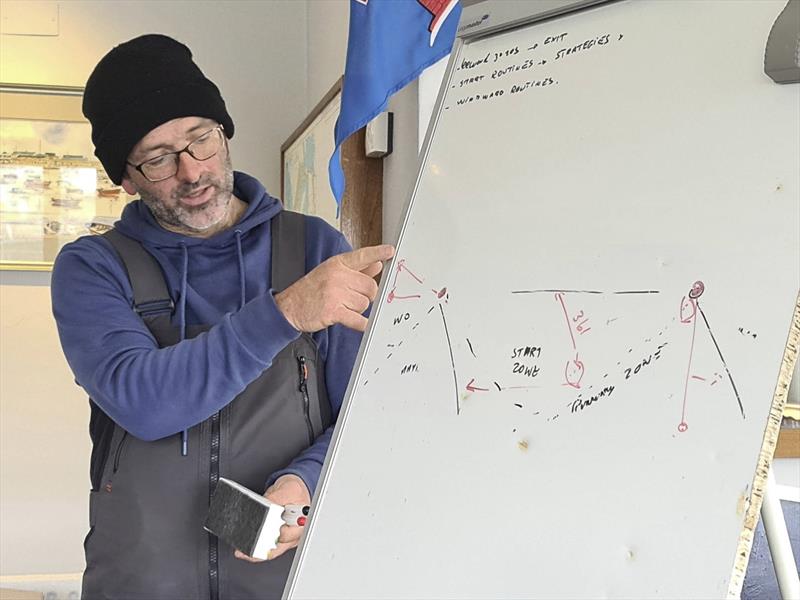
<point x="584" y="292"/>
<point x="432" y="307"/>
<point x="724" y="364"/>
<point x="452" y="360"/>
<point x="470" y="348"/>
<point x="638" y="292"/>
<point x="400" y="343"/>
<point x="499" y="389"/>
<point x="552" y="291"/>
<point x="517" y="405"/>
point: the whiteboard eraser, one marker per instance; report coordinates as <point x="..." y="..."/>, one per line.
<point x="378" y="138"/>
<point x="245" y="520"/>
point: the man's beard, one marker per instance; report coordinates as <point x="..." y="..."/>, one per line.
<point x="194" y="219"/>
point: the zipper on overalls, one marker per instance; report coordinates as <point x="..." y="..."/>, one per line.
<point x="303" y="387"/>
<point x="118" y="453"/>
<point x="213" y="478"/>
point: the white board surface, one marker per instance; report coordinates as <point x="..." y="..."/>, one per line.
<point x="567" y="380"/>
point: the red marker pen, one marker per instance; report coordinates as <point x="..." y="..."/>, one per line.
<point x="295" y="515"/>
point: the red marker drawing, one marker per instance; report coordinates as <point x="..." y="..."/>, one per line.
<point x="698" y="287"/>
<point x="574" y="369"/>
<point x="393" y="296"/>
<point x="573" y="373"/>
<point x="688" y="315"/>
<point x="472" y="388"/>
<point x="560" y="298"/>
<point x="401" y="266"/>
<point x="688" y="309"/>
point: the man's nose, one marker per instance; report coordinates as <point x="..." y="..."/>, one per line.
<point x="189" y="168"/>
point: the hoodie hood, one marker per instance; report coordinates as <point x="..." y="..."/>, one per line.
<point x="137" y="221"/>
<point x="209" y="277"/>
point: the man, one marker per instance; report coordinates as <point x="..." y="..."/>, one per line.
<point x="197" y="363"/>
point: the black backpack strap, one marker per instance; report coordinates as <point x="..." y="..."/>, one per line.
<point x="288" y="249"/>
<point x="151" y="299"/>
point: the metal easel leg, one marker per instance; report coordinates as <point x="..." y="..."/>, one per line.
<point x="778" y="540"/>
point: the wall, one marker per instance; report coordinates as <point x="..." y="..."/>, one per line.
<point x="44" y="446"/>
<point x="327" y="45"/>
<point x="256" y="53"/>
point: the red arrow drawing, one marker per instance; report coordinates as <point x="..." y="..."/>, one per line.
<point x="472" y="388"/>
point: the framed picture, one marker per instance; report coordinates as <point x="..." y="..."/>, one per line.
<point x="52" y="188"/>
<point x="305" y="185"/>
<point x="304" y="157"/>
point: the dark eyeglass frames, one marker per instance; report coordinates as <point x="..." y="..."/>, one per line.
<point x="166" y="165"/>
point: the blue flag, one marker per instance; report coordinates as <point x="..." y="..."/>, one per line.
<point x="390" y="43"/>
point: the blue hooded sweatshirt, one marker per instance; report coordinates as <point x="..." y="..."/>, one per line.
<point x="222" y="281"/>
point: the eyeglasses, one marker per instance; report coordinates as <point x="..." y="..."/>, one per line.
<point x="165" y="166"/>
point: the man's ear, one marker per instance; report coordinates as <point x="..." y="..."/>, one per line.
<point x="128" y="186"/>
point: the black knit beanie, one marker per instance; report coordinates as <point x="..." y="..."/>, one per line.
<point x="140" y="85"/>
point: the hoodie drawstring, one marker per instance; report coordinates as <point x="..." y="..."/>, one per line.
<point x="184" y="279"/>
<point x="240" y="256"/>
<point x="182" y="319"/>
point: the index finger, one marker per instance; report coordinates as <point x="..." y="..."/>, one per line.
<point x="363" y="257"/>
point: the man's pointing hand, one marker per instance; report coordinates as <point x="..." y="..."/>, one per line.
<point x="339" y="290"/>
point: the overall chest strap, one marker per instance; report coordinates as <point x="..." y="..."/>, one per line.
<point x="288" y="230"/>
<point x="151" y="298"/>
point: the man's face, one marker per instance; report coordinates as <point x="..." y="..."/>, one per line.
<point x="197" y="199"/>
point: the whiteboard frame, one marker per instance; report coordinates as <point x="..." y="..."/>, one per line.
<point x="509" y="15"/>
<point x="495" y="16"/>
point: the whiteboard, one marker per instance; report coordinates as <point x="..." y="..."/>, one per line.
<point x="569" y="373"/>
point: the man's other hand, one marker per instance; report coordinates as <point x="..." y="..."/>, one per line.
<point x="339" y="290"/>
<point x="287" y="489"/>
